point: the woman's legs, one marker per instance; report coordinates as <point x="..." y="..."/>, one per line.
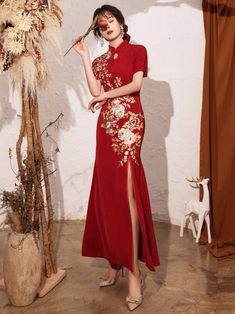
<point x="134" y="288"/>
<point x="133" y="277"/>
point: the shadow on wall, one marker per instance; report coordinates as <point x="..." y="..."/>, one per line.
<point x="7" y="113"/>
<point x="157" y="104"/>
<point x="177" y="3"/>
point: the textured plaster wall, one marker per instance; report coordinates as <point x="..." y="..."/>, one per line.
<point x="173" y="34"/>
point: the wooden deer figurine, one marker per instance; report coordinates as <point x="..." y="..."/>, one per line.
<point x="199" y="208"/>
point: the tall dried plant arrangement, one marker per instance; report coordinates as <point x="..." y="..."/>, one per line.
<point x="26" y="26"/>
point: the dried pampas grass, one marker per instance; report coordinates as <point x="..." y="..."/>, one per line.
<point x="24" y="71"/>
<point x="43" y="74"/>
<point x="50" y="32"/>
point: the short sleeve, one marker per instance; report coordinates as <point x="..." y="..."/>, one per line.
<point x="95" y="68"/>
<point x="140" y="60"/>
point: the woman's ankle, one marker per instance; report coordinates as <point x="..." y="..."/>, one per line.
<point x="136" y="272"/>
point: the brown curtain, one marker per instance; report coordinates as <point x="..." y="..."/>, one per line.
<point x="217" y="147"/>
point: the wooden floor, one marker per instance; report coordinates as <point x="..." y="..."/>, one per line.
<point x="189" y="279"/>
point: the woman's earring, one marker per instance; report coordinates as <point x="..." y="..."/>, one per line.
<point x="122" y="31"/>
<point x="102" y="41"/>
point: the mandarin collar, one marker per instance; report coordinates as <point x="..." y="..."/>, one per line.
<point x="119" y="47"/>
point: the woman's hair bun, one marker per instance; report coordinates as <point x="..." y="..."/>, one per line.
<point x="126" y="36"/>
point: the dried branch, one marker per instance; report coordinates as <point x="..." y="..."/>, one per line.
<point x="49" y="174"/>
<point x="47" y="187"/>
<point x="53" y="122"/>
<point x="10" y="157"/>
<point x="92" y="27"/>
<point x="18" y="149"/>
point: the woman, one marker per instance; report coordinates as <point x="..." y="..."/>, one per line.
<point x="119" y="222"/>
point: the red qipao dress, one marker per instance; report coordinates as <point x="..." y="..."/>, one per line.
<point x="119" y="135"/>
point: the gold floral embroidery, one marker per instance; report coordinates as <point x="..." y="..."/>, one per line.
<point x="118" y="120"/>
<point x="129" y="138"/>
<point x="125" y="127"/>
<point x="118" y="82"/>
<point x="100" y="70"/>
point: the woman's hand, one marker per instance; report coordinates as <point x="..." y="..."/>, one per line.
<point x="97" y="102"/>
<point x="80" y="47"/>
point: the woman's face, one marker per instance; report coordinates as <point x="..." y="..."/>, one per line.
<point x="109" y="27"/>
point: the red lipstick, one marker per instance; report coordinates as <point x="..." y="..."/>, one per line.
<point x="109" y="32"/>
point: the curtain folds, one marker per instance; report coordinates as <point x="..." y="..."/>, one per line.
<point x="217" y="143"/>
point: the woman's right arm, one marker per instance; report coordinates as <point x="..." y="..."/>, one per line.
<point x="93" y="84"/>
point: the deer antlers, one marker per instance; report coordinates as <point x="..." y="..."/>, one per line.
<point x="196" y="181"/>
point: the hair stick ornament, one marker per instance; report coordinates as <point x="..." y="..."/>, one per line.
<point x="91" y="28"/>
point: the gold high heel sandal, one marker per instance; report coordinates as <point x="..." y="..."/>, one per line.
<point x="134" y="302"/>
<point x="106" y="283"/>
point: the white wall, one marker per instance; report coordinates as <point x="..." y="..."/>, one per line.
<point x="173" y="34"/>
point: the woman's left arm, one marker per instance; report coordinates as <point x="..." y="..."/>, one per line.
<point x="130" y="88"/>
